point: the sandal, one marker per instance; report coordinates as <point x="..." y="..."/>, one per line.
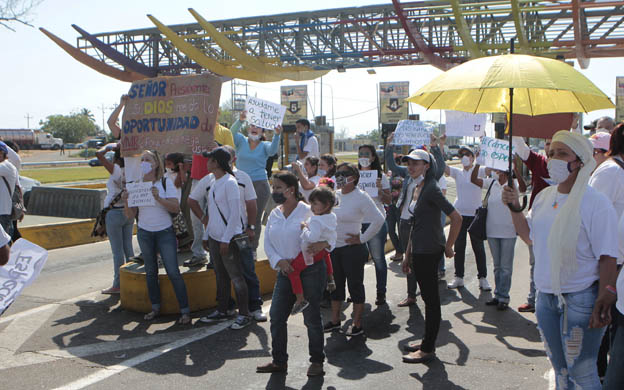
<point x="184" y="319"/>
<point x="151" y="315"/>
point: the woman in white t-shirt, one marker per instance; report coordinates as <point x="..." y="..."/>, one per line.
<point x="155" y="235"/>
<point x="501" y="234"/>
<point x="118" y="225"/>
<point x="308" y="176"/>
<point x="572" y="229"/>
<point x="367" y="161"/>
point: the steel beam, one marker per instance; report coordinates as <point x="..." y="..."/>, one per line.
<point x="464" y="31"/>
<point x="578" y="20"/>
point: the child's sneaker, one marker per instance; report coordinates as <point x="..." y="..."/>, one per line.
<point x="298" y="307"/>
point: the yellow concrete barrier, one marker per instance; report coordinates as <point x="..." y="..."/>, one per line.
<point x="61" y="234"/>
<point x="200" y="287"/>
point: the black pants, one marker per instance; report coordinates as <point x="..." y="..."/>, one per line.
<point x="460" y="250"/>
<point x="425" y="267"/>
<point x="348" y="263"/>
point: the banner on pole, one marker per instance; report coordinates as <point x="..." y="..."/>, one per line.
<point x="264" y="114"/>
<point x="393" y="107"/>
<point x="368" y="182"/>
<point x="25" y="263"/>
<point x="171" y="114"/>
<point x="495" y="152"/>
<point x="140" y="194"/>
<point x="412" y="133"/>
<point x="465" y="124"/>
<point x="295" y="99"/>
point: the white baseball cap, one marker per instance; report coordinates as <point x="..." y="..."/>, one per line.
<point x="417" y="154"/>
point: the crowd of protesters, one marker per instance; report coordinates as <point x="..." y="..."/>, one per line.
<point x="322" y="228"/>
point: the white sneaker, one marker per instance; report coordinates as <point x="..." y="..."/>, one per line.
<point x="484" y="285"/>
<point x="456" y="283"/>
<point x="259" y="316"/>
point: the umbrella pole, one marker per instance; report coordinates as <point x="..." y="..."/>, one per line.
<point x="510" y="175"/>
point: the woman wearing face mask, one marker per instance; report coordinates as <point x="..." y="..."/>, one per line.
<point x="252" y="154"/>
<point x="155" y="235"/>
<point x="608" y="178"/>
<point x="501" y="235"/>
<point x="327" y="166"/>
<point x="282" y="244"/>
<point x="467" y="202"/>
<point x="426" y="242"/>
<point x="572" y="228"/>
<point x="353" y="206"/>
<point x="118" y="226"/>
<point x="368" y="160"/>
<point x="309" y="180"/>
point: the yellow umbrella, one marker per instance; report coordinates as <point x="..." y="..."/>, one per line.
<point x="515" y="84"/>
<point x="540" y="86"/>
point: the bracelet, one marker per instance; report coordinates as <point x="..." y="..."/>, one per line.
<point x="611" y="289"/>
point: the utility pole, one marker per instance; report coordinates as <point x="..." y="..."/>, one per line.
<point x="103" y="108"/>
<point x="28" y="118"/>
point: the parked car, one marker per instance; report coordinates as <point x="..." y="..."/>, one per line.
<point x="81" y="145"/>
<point x="70" y="146"/>
<point x="454" y="149"/>
<point x="94" y="162"/>
<point x="27" y="185"/>
<point x="447" y="153"/>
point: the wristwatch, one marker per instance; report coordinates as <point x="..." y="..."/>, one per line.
<point x="251" y="227"/>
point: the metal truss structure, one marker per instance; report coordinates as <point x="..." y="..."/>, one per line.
<point x="305" y="45"/>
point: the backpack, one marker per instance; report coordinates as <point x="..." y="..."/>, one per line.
<point x="18" y="209"/>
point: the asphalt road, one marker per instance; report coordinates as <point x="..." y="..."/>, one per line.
<point x="61" y="333"/>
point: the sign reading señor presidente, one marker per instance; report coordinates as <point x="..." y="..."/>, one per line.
<point x="171" y="114"/>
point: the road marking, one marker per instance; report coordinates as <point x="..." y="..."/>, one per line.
<point x="118" y="368"/>
<point x="550" y="377"/>
<point x="38" y="309"/>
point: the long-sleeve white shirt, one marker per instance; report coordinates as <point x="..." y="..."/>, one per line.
<point x="223" y="196"/>
<point x="8" y="173"/>
<point x="320" y="228"/>
<point x="351" y="210"/>
<point x="282" y="236"/>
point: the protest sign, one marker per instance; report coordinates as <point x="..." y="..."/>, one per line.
<point x="295" y="99"/>
<point x="140" y="194"/>
<point x="368" y="182"/>
<point x="264" y="114"/>
<point x="465" y="124"/>
<point x="496" y="153"/>
<point x="171" y="114"/>
<point x="25" y="263"/>
<point x="412" y="133"/>
<point x="393" y="106"/>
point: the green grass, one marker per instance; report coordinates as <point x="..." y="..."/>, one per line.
<point x="69" y="174"/>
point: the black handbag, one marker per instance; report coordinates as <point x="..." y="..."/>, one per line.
<point x="477" y="228"/>
<point x="99" y="228"/>
<point x="18" y="209"/>
<point x="178" y="222"/>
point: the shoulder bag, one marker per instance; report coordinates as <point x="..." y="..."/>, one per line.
<point x="18" y="209"/>
<point x="240" y="240"/>
<point x="99" y="228"/>
<point x="477" y="228"/>
<point x="179" y="223"/>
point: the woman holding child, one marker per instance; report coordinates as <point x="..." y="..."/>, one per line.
<point x="282" y="244"/>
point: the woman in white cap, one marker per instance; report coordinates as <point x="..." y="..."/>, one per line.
<point x="575" y="244"/>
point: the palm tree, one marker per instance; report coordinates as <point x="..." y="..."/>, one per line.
<point x="86" y="112"/>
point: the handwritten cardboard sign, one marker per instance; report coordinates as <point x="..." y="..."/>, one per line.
<point x="496" y="153"/>
<point x="368" y="183"/>
<point x="465" y="124"/>
<point x="140" y="194"/>
<point x="25" y="263"/>
<point x="171" y="114"/>
<point x="412" y="133"/>
<point x="264" y="114"/>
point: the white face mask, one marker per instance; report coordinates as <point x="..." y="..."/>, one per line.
<point x="146" y="167"/>
<point x="364" y="162"/>
<point x="465" y="160"/>
<point x="321" y="172"/>
<point x="558" y="170"/>
<point x="254" y="137"/>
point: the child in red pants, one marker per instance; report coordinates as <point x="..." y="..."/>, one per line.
<point x="319" y="227"/>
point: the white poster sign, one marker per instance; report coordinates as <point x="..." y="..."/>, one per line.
<point x="465" y="124"/>
<point x="412" y="133"/>
<point x="495" y="152"/>
<point x="25" y="263"/>
<point x="140" y="194"/>
<point x="264" y="114"/>
<point x="368" y="183"/>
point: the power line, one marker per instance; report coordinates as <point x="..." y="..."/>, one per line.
<point x="359" y="113"/>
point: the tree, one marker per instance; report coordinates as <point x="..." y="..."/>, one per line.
<point x="71" y="128"/>
<point x="226" y="115"/>
<point x="86" y="112"/>
<point x="16" y="11"/>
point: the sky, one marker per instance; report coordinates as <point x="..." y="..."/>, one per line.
<point x="40" y="79"/>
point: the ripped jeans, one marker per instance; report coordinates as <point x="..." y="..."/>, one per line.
<point x="570" y="345"/>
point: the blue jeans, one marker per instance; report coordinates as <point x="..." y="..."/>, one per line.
<point x="163" y="242"/>
<point x="614" y="380"/>
<point x="531" y="296"/>
<point x="570" y="345"/>
<point x="502" y="256"/>
<point x="119" y="231"/>
<point x="392" y="221"/>
<point x="313" y="279"/>
<point x="376" y="248"/>
<point x="198" y="227"/>
<point x="253" y="284"/>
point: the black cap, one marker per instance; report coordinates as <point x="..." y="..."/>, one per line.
<point x="592" y="125"/>
<point x="220" y="155"/>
